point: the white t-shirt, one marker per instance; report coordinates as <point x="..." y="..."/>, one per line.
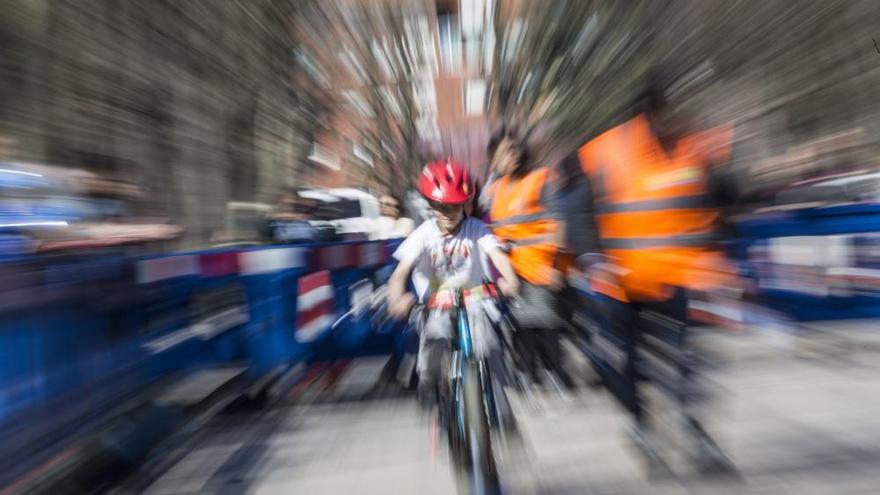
<point x="447" y="261"/>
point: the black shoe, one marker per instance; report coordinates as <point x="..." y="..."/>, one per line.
<point x="717" y="467"/>
<point x="709" y="458"/>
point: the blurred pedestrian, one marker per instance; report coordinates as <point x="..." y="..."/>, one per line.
<point x="525" y="213"/>
<point x="392" y="224"/>
<point x="656" y="195"/>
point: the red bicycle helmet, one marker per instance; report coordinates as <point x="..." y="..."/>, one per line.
<point x="446" y="181"/>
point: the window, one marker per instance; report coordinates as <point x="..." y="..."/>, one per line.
<point x="474" y="96"/>
<point x="323" y="156"/>
<point x="362" y="153"/>
<point x="449" y="31"/>
<point x="472" y="18"/>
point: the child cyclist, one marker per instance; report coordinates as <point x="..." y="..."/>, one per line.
<point x="446" y="253"/>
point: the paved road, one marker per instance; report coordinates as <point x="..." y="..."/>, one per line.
<point x="799" y="425"/>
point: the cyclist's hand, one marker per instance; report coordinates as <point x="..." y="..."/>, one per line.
<point x="399" y="307"/>
<point x="509" y="288"/>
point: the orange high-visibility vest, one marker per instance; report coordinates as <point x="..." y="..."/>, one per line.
<point x="519" y="215"/>
<point x="652" y="208"/>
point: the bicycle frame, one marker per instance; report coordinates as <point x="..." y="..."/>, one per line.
<point x="473" y="409"/>
<point x="464" y="351"/>
<point x="465" y="341"/>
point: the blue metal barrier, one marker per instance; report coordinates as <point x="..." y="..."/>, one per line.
<point x="79" y="335"/>
<point x="839" y="278"/>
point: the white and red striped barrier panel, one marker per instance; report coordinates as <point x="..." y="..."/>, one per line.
<point x="271" y="260"/>
<point x="830" y="265"/>
<point x="372" y="254"/>
<point x="263" y="261"/>
<point x="218" y="264"/>
<point x="315" y="306"/>
<point x="257" y="262"/>
<point x="335" y="257"/>
<point x="158" y="269"/>
<point x="717" y="311"/>
<point x="365" y="255"/>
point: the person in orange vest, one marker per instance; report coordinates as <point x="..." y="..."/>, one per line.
<point x="525" y="213"/>
<point x="656" y="190"/>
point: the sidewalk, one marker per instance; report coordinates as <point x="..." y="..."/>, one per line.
<point x="792" y="426"/>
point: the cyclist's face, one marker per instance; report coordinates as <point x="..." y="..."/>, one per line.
<point x="447" y="216"/>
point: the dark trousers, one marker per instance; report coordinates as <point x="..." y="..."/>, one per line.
<point x="652" y="337"/>
<point x="655" y="351"/>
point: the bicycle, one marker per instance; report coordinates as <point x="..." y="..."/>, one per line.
<point x="466" y="402"/>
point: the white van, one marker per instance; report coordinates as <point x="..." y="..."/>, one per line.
<point x="352" y="211"/>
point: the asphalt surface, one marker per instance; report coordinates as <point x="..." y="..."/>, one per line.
<point x="796" y="416"/>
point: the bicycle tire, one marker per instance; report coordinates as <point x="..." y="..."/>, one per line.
<point x="482" y="469"/>
<point x="449" y="398"/>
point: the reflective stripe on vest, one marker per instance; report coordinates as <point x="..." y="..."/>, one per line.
<point x="520" y="219"/>
<point x="532" y="241"/>
<point x="693" y="240"/>
<point x="674" y="203"/>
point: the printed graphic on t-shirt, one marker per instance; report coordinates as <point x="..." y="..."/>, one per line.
<point x="449" y="258"/>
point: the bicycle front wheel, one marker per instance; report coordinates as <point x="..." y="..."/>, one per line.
<point x="482" y="469"/>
